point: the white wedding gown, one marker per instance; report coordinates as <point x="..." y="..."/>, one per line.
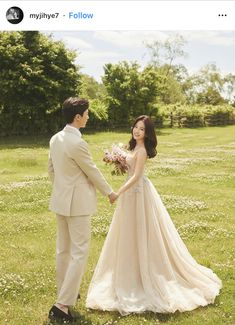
<point x="144" y="264"/>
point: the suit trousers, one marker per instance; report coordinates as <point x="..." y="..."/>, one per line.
<point x="73" y="239"/>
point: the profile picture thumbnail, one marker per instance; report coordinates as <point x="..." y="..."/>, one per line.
<point x="14" y="15"/>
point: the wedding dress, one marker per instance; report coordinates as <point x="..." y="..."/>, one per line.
<point x="144" y="264"/>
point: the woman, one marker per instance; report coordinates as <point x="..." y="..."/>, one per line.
<point x="144" y="264"/>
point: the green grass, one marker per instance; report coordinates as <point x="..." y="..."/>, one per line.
<point x="195" y="176"/>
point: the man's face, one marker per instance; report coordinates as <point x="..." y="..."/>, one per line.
<point x="83" y="120"/>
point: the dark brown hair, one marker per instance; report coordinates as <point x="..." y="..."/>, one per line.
<point x="150" y="140"/>
<point x="73" y="106"/>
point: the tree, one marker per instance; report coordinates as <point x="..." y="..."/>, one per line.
<point x="207" y="86"/>
<point x="90" y="88"/>
<point x="96" y="93"/>
<point x="210" y="96"/>
<point x="229" y="88"/>
<point x="36" y="75"/>
<point x="130" y="92"/>
<point x="170" y="87"/>
<point x="163" y="54"/>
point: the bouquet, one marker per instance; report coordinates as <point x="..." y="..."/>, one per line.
<point x="117" y="158"/>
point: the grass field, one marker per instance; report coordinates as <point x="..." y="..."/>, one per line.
<point x="194" y="172"/>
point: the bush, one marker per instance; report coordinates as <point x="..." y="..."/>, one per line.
<point x="196" y="115"/>
<point x="219" y="115"/>
<point x="190" y="117"/>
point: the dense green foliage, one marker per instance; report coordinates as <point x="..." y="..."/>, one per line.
<point x="130" y="92"/>
<point x="36" y="75"/>
<point x="96" y="93"/>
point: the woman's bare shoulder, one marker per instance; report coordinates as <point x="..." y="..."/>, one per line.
<point x="141" y="152"/>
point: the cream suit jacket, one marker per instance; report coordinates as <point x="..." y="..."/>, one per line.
<point x="74" y="175"/>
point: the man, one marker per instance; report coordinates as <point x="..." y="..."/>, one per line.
<point x="12" y="14"/>
<point x="75" y="178"/>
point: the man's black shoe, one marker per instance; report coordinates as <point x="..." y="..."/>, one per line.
<point x="57" y="314"/>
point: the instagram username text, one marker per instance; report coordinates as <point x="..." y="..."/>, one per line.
<point x="43" y="15"/>
<point x="71" y="15"/>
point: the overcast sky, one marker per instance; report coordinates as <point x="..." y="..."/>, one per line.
<point x="95" y="48"/>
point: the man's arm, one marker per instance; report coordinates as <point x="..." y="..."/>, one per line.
<point x="87" y="165"/>
<point x="50" y="169"/>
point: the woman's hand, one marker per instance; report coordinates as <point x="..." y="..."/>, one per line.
<point x="113" y="197"/>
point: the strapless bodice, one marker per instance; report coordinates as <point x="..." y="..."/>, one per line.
<point x="131" y="161"/>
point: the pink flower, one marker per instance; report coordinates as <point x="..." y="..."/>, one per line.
<point x="116" y="157"/>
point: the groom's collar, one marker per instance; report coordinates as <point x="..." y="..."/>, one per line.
<point x="72" y="129"/>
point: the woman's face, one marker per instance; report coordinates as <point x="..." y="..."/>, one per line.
<point x="139" y="131"/>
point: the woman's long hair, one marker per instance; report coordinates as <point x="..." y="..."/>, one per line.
<point x="150" y="140"/>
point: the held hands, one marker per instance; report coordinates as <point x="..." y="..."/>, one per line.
<point x="113" y="197"/>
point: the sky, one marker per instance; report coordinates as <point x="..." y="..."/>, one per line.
<point x="96" y="48"/>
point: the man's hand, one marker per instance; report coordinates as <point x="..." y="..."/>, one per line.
<point x="113" y="197"/>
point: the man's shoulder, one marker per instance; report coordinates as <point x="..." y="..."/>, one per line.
<point x="71" y="140"/>
<point x="74" y="141"/>
<point x="56" y="135"/>
<point x="80" y="143"/>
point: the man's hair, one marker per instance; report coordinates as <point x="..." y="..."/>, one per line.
<point x="73" y="106"/>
